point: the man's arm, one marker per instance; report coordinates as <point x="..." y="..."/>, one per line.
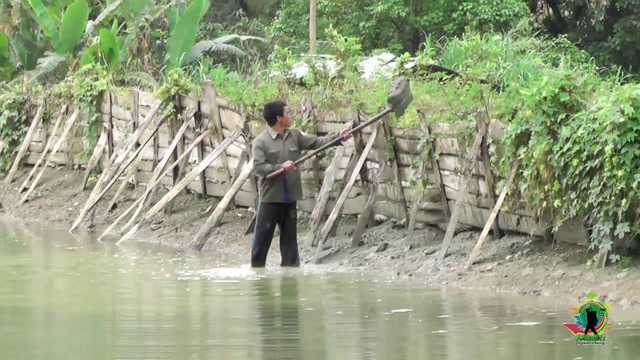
<point x="261" y="166"/>
<point x="310" y="142"/>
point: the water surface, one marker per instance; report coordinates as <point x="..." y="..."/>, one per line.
<point x="68" y="298"/>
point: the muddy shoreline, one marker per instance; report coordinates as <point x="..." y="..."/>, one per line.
<point x="515" y="264"/>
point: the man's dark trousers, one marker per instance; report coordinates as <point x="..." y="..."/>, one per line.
<point x="269" y="215"/>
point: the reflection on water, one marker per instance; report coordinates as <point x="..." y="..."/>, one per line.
<point x="62" y="298"/>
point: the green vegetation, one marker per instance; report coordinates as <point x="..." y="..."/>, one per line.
<point x="571" y="117"/>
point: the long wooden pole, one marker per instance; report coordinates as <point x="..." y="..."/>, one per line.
<point x="97" y="154"/>
<point x="313" y="10"/>
<point x="116" y="163"/>
<point x="320" y="207"/>
<point x="334" y="141"/>
<point x="25" y="145"/>
<point x="326" y="229"/>
<point x="463" y="183"/>
<point x="216" y="216"/>
<point x="122" y="169"/>
<point x="57" y="146"/>
<point x="180" y="186"/>
<point x="492" y="217"/>
<point x="156" y="177"/>
<point x="43" y="157"/>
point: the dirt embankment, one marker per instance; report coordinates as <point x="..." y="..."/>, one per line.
<point x="514" y="264"/>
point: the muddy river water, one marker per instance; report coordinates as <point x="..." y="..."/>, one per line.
<point x="66" y="298"/>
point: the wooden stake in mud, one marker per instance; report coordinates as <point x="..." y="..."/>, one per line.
<point x="326" y="229"/>
<point x="131" y="173"/>
<point x="435" y="166"/>
<point x="210" y="100"/>
<point x="413" y="213"/>
<point x="134" y="166"/>
<point x="116" y="163"/>
<point x="37" y="120"/>
<point x="135" y="119"/>
<point x="180" y="186"/>
<point x="63" y="137"/>
<point x="216" y="216"/>
<point x="488" y="176"/>
<point x="43" y="156"/>
<point x="159" y="172"/>
<point x="200" y="153"/>
<point x="365" y="217"/>
<point x="97" y="154"/>
<point x="133" y="159"/>
<point x="492" y="217"/>
<point x="325" y="191"/>
<point x="109" y="125"/>
<point x="396" y="171"/>
<point x="463" y="184"/>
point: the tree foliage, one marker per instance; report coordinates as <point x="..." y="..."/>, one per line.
<point x="400" y="25"/>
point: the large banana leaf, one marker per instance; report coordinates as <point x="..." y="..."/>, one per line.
<point x="183" y="34"/>
<point x="46" y="65"/>
<point x="47" y="22"/>
<point x="220" y="45"/>
<point x="205" y="46"/>
<point x="89" y="55"/>
<point x="74" y="23"/>
<point x="109" y="48"/>
<point x="110" y="9"/>
<point x="133" y="7"/>
<point x="5" y="51"/>
<point x="6" y="66"/>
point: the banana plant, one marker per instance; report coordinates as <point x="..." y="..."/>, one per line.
<point x="63" y="30"/>
<point x="184" y="30"/>
<point x="105" y="49"/>
<point x="7" y="67"/>
<point x="221" y="44"/>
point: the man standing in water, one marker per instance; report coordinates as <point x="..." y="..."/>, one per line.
<point x="275" y="148"/>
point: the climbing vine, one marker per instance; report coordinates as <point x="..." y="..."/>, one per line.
<point x="175" y="84"/>
<point x="15" y="103"/>
<point x="86" y="88"/>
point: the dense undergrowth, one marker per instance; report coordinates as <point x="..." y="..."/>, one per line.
<point x="574" y="126"/>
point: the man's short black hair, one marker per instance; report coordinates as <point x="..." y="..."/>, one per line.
<point x="272" y="110"/>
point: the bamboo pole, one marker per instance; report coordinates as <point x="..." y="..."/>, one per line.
<point x="462" y="185"/>
<point x="435" y="166"/>
<point x="492" y="217"/>
<point x="365" y="217"/>
<point x="131" y="172"/>
<point x="328" y="225"/>
<point x="45" y="152"/>
<point x="133" y="167"/>
<point x="313" y="9"/>
<point x="179" y="187"/>
<point x="325" y="191"/>
<point x="109" y="124"/>
<point x="156" y="177"/>
<point x="37" y="120"/>
<point x="116" y="163"/>
<point x="413" y="213"/>
<point x="210" y="100"/>
<point x="200" y="154"/>
<point x="396" y="171"/>
<point x="57" y="146"/>
<point x="135" y="119"/>
<point x="488" y="176"/>
<point x="216" y="216"/>
<point x="97" y="154"/>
